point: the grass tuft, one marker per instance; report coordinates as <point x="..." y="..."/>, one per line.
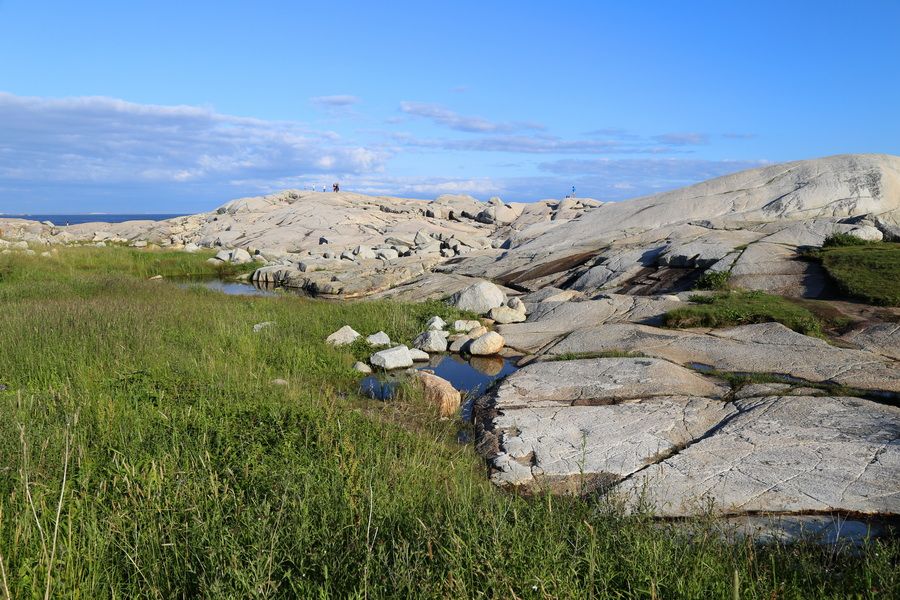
<point x="713" y="280"/>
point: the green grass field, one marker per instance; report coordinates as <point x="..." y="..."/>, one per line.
<point x="145" y="453"/>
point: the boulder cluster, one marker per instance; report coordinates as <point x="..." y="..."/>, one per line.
<point x="470" y="337"/>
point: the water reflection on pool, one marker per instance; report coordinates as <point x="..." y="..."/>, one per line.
<point x="241" y="288"/>
<point x="234" y="288"/>
<point x="472" y="377"/>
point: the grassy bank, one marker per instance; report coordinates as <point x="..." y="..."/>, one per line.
<point x="867" y="271"/>
<point x="743" y="308"/>
<point x="188" y="474"/>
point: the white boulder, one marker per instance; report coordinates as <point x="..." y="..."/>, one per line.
<point x="489" y="343"/>
<point x="431" y="341"/>
<point x="479" y="297"/>
<point x="379" y="339"/>
<point x="343" y="336"/>
<point x="392" y="358"/>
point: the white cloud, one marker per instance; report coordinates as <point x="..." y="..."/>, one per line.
<point x="106" y="140"/>
<point x="537" y="144"/>
<point x="97" y="153"/>
<point x="453" y="120"/>
<point x="338" y="100"/>
<point x="690" y="138"/>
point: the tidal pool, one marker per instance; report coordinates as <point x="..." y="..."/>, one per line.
<point x="472" y="377"/>
<point x="234" y="288"/>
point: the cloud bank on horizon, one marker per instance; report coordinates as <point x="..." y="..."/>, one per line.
<point x="90" y="147"/>
<point x="176" y="106"/>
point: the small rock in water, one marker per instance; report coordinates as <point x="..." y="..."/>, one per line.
<point x="343" y="336"/>
<point x="418" y="355"/>
<point x="440" y="392"/>
<point x="379" y="339"/>
<point x="260" y="326"/>
<point x="392" y="358"/>
<point x="436" y="323"/>
<point x="489" y="343"/>
<point x="431" y="341"/>
<point x="460" y="343"/>
<point x="362" y="367"/>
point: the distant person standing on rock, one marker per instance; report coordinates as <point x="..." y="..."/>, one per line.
<point x="336" y="187"/>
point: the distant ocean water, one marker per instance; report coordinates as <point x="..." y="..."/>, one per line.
<point x="76" y="219"/>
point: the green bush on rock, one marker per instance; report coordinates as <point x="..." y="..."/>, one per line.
<point x="713" y="280"/>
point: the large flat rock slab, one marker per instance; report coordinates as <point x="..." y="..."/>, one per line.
<point x="760" y="348"/>
<point x="549" y="321"/>
<point x="601" y="381"/>
<point x="782" y="455"/>
<point x="432" y="286"/>
<point x="575" y="448"/>
<point x="564" y="424"/>
<point x="880" y="338"/>
<point x="778" y="269"/>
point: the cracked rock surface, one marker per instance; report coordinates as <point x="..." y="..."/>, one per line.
<point x="601" y="381"/>
<point x="565" y="447"/>
<point x="563" y="425"/>
<point x="789" y="454"/>
<point x="759" y="348"/>
<point x="658" y="435"/>
<point x="549" y="321"/>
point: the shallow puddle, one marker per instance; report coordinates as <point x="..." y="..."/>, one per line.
<point x="472" y="377"/>
<point x="233" y="288"/>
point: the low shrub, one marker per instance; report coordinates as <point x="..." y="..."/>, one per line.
<point x="713" y="280"/>
<point x="838" y="240"/>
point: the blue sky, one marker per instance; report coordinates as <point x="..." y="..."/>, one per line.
<point x="180" y="106"/>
